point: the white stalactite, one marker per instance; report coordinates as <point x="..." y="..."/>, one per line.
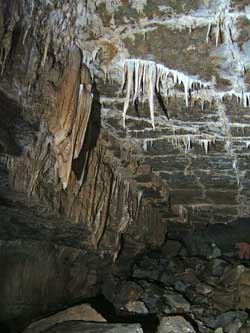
<point x="143" y="77"/>
<point x="139" y="199"/>
<point x="205" y="144"/>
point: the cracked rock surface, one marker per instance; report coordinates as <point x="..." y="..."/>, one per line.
<point x="124" y="129"/>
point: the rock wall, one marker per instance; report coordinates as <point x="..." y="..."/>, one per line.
<point x="71" y="164"/>
<point x="124" y="125"/>
<point x="126" y="115"/>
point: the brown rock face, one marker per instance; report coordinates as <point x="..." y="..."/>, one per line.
<point x="191" y="167"/>
<point x="68" y="124"/>
<point x="78" y="327"/>
<point x="236" y="296"/>
<point x="73" y="165"/>
<point x="244" y="250"/>
<point x="40" y="278"/>
<point x="82" y="312"/>
<point x="121" y="123"/>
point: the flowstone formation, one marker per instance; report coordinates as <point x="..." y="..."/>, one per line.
<point x="162" y="79"/>
<point x="123" y="124"/>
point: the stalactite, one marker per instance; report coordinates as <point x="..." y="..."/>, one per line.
<point x="187" y="142"/>
<point x="83" y="114"/>
<point x="69" y="123"/>
<point x="184" y="140"/>
<point x="205" y="144"/>
<point x="126" y="218"/>
<point x="235" y="167"/>
<point x="46" y="48"/>
<point x="138" y="4"/>
<point x="143" y="77"/>
<point x="139" y="201"/>
<point x="128" y="77"/>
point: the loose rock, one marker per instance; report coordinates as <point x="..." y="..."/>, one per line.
<point x="80" y="327"/>
<point x="174" y="325"/>
<point x="80" y="312"/>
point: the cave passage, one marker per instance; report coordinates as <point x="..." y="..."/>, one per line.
<point x="124" y="166"/>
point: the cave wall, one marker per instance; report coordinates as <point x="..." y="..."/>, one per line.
<point x="70" y="74"/>
<point x="65" y="159"/>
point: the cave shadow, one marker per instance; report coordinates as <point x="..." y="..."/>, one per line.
<point x="4" y="328"/>
<point x="81" y="164"/>
<point x="148" y="322"/>
<point x="162" y="104"/>
<point x="13" y="127"/>
<point x="199" y="237"/>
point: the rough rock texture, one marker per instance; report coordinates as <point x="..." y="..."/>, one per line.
<point x="62" y="65"/>
<point x="39" y="278"/>
<point x="124" y="123"/>
<point x="185" y="292"/>
<point x="82" y="312"/>
<point x="78" y="327"/>
<point x="175" y="324"/>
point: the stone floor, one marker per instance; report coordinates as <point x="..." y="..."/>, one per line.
<point x="198" y="281"/>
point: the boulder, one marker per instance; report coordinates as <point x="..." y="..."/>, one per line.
<point x="80" y="312"/>
<point x="175" y="324"/>
<point x="176" y="302"/>
<point x="171" y="248"/>
<point x="218" y="266"/>
<point x="80" y="327"/>
<point x="233" y="290"/>
<point x="136" y="307"/>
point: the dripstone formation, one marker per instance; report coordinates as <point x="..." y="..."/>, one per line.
<point x="124" y="132"/>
